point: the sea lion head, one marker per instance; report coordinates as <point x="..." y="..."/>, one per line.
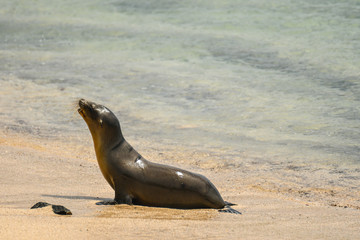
<point x="103" y="124"/>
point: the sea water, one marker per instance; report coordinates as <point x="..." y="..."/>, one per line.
<point x="277" y="82"/>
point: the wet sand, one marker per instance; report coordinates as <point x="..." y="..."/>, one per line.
<point x="65" y="173"/>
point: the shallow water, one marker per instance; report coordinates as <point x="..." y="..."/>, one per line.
<point x="272" y="83"/>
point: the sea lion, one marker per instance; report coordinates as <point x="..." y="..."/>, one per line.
<point x="141" y="182"/>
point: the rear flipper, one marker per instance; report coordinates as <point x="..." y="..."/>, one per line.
<point x="228" y="209"/>
<point x="229" y="203"/>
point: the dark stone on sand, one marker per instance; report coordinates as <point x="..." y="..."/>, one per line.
<point x="61" y="210"/>
<point x="40" y="205"/>
<point x="57" y="209"/>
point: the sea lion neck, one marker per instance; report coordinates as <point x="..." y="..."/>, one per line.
<point x="107" y="140"/>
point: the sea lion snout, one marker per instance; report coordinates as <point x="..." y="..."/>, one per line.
<point x="82" y="103"/>
<point x="86" y="107"/>
<point x="81" y="109"/>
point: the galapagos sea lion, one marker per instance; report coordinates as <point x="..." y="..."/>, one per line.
<point x="141" y="182"/>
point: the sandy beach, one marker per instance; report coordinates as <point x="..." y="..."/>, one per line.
<point x="261" y="97"/>
<point x="63" y="173"/>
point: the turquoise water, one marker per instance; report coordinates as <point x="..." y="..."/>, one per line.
<point x="277" y="82"/>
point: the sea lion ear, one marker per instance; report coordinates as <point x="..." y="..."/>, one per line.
<point x="101" y="123"/>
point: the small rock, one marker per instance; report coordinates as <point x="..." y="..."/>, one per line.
<point x="61" y="210"/>
<point x="57" y="209"/>
<point x="40" y="205"/>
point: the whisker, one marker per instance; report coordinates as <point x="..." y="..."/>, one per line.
<point x="73" y="107"/>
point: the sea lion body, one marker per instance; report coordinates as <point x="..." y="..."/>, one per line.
<point x="146" y="183"/>
<point x="136" y="180"/>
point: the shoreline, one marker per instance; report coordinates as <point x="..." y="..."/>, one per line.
<point x="64" y="174"/>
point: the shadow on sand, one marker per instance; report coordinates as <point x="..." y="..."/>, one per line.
<point x="77" y="197"/>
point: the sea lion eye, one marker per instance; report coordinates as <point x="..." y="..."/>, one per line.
<point x="101" y="122"/>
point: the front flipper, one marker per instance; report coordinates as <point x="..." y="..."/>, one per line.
<point x="109" y="202"/>
<point x="116" y="201"/>
<point x="123" y="198"/>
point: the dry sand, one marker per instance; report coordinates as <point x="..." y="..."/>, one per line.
<point x="61" y="172"/>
